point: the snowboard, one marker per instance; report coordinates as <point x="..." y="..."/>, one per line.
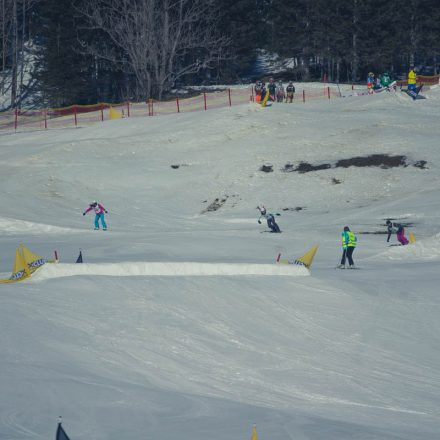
<point x="415" y="94"/>
<point x="264" y="101"/>
<point x="388" y="88"/>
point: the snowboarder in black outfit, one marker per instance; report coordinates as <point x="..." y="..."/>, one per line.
<point x="270" y="219"/>
<point x="390" y="229"/>
<point x="272" y="90"/>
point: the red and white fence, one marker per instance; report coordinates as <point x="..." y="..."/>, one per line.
<point x="80" y="115"/>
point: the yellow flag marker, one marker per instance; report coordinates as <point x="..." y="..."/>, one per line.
<point x="32" y="261"/>
<point x="307" y="258"/>
<point x="20" y="270"/>
<point x="115" y="114"/>
<point x="412" y="238"/>
<point x="254" y="435"/>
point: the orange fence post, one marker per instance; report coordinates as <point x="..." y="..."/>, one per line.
<point x="204" y="99"/>
<point x="229" y="96"/>
<point x="177" y="103"/>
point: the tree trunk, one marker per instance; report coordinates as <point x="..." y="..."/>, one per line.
<point x="14" y="55"/>
<point x="23" y="32"/>
<point x="355" y="55"/>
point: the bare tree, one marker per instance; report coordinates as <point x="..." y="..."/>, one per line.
<point x="13" y="35"/>
<point x="157" y="41"/>
<point x="5" y="29"/>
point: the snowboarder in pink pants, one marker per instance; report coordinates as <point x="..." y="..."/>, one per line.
<point x="99" y="214"/>
<point x="401" y="235"/>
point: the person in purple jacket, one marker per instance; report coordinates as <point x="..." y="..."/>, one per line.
<point x="401" y="235"/>
<point x="99" y="214"/>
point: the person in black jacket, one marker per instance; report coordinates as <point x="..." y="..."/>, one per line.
<point x="290" y="92"/>
<point x="390" y="229"/>
<point x="272" y="90"/>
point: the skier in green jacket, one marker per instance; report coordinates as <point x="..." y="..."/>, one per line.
<point x="385" y="80"/>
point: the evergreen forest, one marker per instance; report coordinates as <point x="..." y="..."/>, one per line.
<point x="62" y="52"/>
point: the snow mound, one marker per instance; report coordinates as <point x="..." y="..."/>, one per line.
<point x="167" y="269"/>
<point x="428" y="249"/>
<point x="13" y="226"/>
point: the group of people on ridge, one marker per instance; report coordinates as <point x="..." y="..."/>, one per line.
<point x="384" y="80"/>
<point x="276" y="91"/>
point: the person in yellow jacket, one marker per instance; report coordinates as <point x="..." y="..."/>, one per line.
<point x="412" y="78"/>
<point x="349" y="241"/>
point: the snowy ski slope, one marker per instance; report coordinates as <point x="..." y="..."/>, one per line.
<point x="121" y="354"/>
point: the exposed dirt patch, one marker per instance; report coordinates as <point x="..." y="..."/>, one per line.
<point x="174" y="167"/>
<point x="288" y="168"/>
<point x="421" y="164"/>
<point x="215" y="205"/>
<point x="383" y="161"/>
<point x="384" y="231"/>
<point x="373" y="232"/>
<point x="305" y="167"/>
<point x="336" y="181"/>
<point x="266" y="168"/>
<point x="375" y="160"/>
<point x="297" y="208"/>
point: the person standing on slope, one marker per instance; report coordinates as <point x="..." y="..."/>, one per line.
<point x="290" y="89"/>
<point x="269" y="218"/>
<point x="280" y="92"/>
<point x="272" y="90"/>
<point x="370" y="82"/>
<point x="349" y="241"/>
<point x="390" y="229"/>
<point x="257" y="89"/>
<point x="99" y="214"/>
<point x="412" y="78"/>
<point x="263" y="91"/>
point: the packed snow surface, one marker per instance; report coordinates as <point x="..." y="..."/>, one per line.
<point x="179" y="323"/>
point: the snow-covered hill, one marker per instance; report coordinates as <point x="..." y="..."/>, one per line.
<point x="133" y="345"/>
